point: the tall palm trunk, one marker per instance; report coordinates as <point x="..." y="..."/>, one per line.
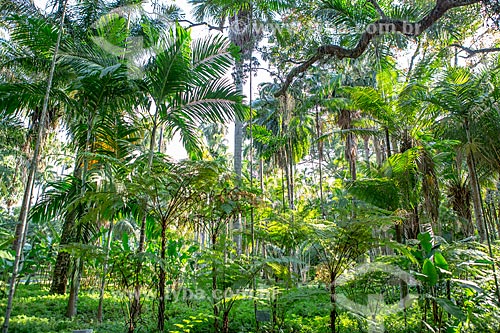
<point x="135" y="307"/>
<point x="61" y="267"/>
<point x="162" y="279"/>
<point x="475" y="187"/>
<point x="290" y="182"/>
<point x="31" y="177"/>
<point x="104" y="272"/>
<point x="74" y="288"/>
<point x="320" y="160"/>
<point x="238" y="151"/>
<point x="351" y="154"/>
<point x="23" y="166"/>
<point x="476" y="197"/>
<point x="77" y="274"/>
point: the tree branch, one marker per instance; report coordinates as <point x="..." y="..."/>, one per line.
<point x="473" y="52"/>
<point x="377" y="8"/>
<point x="210" y="27"/>
<point x="379" y="27"/>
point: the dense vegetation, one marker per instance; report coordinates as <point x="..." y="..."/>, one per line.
<point x="360" y="194"/>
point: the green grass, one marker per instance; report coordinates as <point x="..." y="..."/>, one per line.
<point x="36" y="311"/>
<point x="304" y="310"/>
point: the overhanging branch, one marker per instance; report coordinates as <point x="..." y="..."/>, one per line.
<point x="377" y="8"/>
<point x="472" y="52"/>
<point x="379" y="27"/>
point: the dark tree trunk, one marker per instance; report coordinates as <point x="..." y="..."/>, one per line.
<point x="104" y="273"/>
<point x="351" y="154"/>
<point x="162" y="280"/>
<point x="225" y="322"/>
<point x="135" y="306"/>
<point x="63" y="260"/>
<point x="75" y="288"/>
<point x="214" y="289"/>
<point x="476" y="197"/>
<point x="460" y="198"/>
<point x="333" y="311"/>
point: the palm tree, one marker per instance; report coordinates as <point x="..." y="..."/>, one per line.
<point x="31" y="176"/>
<point x="460" y="94"/>
<point x="243" y="18"/>
<point x="184" y="87"/>
<point x="283" y="130"/>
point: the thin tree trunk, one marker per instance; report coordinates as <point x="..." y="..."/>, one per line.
<point x="261" y="175"/>
<point x="104" y="273"/>
<point x="238" y="152"/>
<point x="283" y="189"/>
<point x="214" y="289"/>
<point x="287" y="178"/>
<point x="320" y="161"/>
<point x="292" y="184"/>
<point x="23" y="218"/>
<point x="225" y="322"/>
<point x="75" y="288"/>
<point x="61" y="266"/>
<point x="162" y="280"/>
<point x="387" y="141"/>
<point x="378" y="151"/>
<point x="366" y="147"/>
<point x="135" y="307"/>
<point x="475" y="187"/>
<point x="333" y="311"/>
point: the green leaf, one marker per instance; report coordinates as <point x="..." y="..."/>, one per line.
<point x="430" y="271"/>
<point x="426" y="241"/>
<point x="125" y="243"/>
<point x="440" y="261"/>
<point x="172" y="248"/>
<point x="227" y="207"/>
<point x="469" y="284"/>
<point x="451" y="308"/>
<point x="6" y="255"/>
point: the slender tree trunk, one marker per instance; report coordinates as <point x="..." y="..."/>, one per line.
<point x="320" y="161"/>
<point x="475" y="187"/>
<point x="162" y="280"/>
<point x="261" y="175"/>
<point x="366" y="147"/>
<point x="291" y="174"/>
<point x="351" y="155"/>
<point x="61" y="267"/>
<point x="378" y="150"/>
<point x="75" y="288"/>
<point x="283" y="189"/>
<point x="238" y="155"/>
<point x="23" y="218"/>
<point x="497" y="223"/>
<point x="135" y="307"/>
<point x="215" y="300"/>
<point x="225" y="322"/>
<point x="287" y="178"/>
<point x="104" y="273"/>
<point x="387" y="141"/>
<point x="63" y="260"/>
<point x="333" y="311"/>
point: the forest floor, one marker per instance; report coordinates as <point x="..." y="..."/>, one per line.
<point x="304" y="309"/>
